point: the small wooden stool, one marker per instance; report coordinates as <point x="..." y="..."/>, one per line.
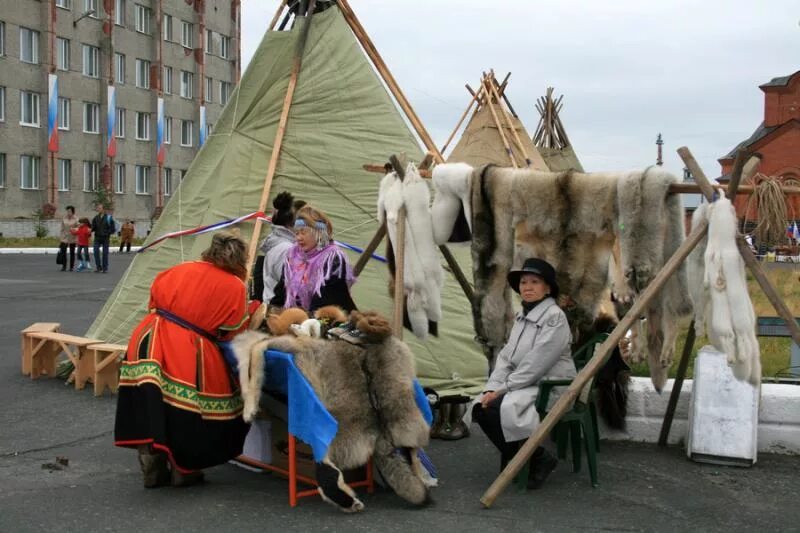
<point x="106" y="360"/>
<point x="28" y="342"/>
<point x="51" y="344"/>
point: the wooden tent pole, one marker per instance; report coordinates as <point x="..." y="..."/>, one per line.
<point x="276" y="145"/>
<point x="677" y="385"/>
<point x="511" y="126"/>
<point x="399" y="272"/>
<point x="469" y="292"/>
<point x="485" y="84"/>
<point x="370" y="249"/>
<point x="277" y="15"/>
<point x="602" y="353"/>
<point x="460" y="121"/>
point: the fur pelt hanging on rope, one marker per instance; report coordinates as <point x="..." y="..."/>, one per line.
<point x="423" y="277"/>
<point x="368" y="389"/>
<point x="722" y="300"/>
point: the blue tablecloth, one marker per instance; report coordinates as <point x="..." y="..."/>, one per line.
<point x="309" y="420"/>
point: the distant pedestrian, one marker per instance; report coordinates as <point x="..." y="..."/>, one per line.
<point x="69" y="222"/>
<point x="83" y="233"/>
<point x="103" y="227"/>
<point x="126" y="235"/>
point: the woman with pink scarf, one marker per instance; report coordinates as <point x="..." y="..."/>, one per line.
<point x="316" y="272"/>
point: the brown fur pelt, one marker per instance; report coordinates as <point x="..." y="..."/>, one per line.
<point x="279" y="324"/>
<point x="369" y="390"/>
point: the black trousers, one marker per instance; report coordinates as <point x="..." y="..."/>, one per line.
<point x="63" y="247"/>
<point x="488" y="418"/>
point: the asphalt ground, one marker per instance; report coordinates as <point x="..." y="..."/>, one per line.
<point x="642" y="487"/>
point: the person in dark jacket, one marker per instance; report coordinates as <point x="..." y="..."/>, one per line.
<point x="103" y="226"/>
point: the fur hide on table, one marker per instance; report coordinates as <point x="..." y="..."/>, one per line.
<point x="719" y="285"/>
<point x="423" y="277"/>
<point x="368" y="389"/>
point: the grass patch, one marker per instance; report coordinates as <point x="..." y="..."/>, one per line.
<point x="775" y="356"/>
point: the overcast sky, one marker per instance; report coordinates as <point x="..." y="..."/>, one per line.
<point x="627" y="69"/>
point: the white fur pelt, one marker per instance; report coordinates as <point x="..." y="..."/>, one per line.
<point x="696" y="273"/>
<point x="248" y="347"/>
<point x="423" y="277"/>
<point x="369" y="390"/>
<point x="452" y="184"/>
<point x="731" y="321"/>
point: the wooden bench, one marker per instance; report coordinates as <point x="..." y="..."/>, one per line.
<point x="50" y="344"/>
<point x="106" y="360"/>
<point x="28" y="342"/>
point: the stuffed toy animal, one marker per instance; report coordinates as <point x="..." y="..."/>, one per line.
<point x="279" y="324"/>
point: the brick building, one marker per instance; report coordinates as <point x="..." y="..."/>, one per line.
<point x="115" y="96"/>
<point x="777" y="140"/>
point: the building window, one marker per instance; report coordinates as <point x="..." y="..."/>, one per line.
<point x="62" y="53"/>
<point x="63" y="113"/>
<point x="119" y="12"/>
<point x="66" y="4"/>
<point x="142" y="179"/>
<point x="119" y="68"/>
<point x="187" y="84"/>
<point x="28" y="45"/>
<point x="29" y="109"/>
<point x="2" y="171"/>
<point x="224" y="92"/>
<point x="187" y="132"/>
<point x="91" y="176"/>
<point x="119" y="124"/>
<point x="119" y="178"/>
<point x="28" y="172"/>
<point x="143" y="73"/>
<point x="209" y="129"/>
<point x="187" y="32"/>
<point x="166" y="22"/>
<point x="143" y="19"/>
<point x="91" y="61"/>
<point x="167" y="80"/>
<point x="64" y="174"/>
<point x="209" y="96"/>
<point x="167" y="181"/>
<point x="2" y="104"/>
<point x="225" y="47"/>
<point x="142" y="126"/>
<point x="90" y="6"/>
<point x="167" y="130"/>
<point x="2" y="38"/>
<point x="209" y="41"/>
<point x="91" y="117"/>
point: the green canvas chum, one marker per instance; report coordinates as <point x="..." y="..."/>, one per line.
<point x="340" y="118"/>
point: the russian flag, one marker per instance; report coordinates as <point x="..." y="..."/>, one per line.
<point x="52" y="113"/>
<point x="111" y="123"/>
<point x="161" y="149"/>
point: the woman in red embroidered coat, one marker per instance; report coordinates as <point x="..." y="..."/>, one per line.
<point x="178" y="403"/>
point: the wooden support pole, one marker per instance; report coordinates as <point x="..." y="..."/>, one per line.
<point x="469" y="292"/>
<point x="485" y="85"/>
<point x="677" y="385"/>
<point x="399" y="272"/>
<point x="602" y="353"/>
<point x="276" y="145"/>
<point x="736" y="174"/>
<point x="474" y="99"/>
<point x="697" y="172"/>
<point x="510" y="123"/>
<point x="370" y="249"/>
<point x="277" y="15"/>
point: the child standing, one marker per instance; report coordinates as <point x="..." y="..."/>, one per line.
<point x="84" y="232"/>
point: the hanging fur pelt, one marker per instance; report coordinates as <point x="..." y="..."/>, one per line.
<point x="423" y="276"/>
<point x="369" y="390"/>
<point x="724" y="304"/>
<point x="452" y="184"/>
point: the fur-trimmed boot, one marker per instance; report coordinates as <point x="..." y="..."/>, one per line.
<point x="455" y="427"/>
<point x="441" y="421"/>
<point x="186" y="480"/>
<point x="155" y="472"/>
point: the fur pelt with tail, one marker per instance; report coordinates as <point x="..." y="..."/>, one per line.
<point x="423" y="276"/>
<point x="369" y="390"/>
<point x="248" y="347"/>
<point x="452" y="184"/>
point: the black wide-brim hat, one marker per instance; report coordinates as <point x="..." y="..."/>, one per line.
<point x="537" y="266"/>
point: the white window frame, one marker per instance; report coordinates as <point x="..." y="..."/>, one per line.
<point x="2" y="104"/>
<point x="34" y="101"/>
<point x="224" y="47"/>
<point x="91" y="118"/>
<point x="64" y="111"/>
<point x="64" y="4"/>
<point x="64" y="174"/>
<point x="225" y="90"/>
<point x="142" y="179"/>
<point x="91" y="61"/>
<point x="119" y="12"/>
<point x="142" y="73"/>
<point x="187" y="126"/>
<point x="142" y="126"/>
<point x="32" y="38"/>
<point x="119" y="123"/>
<point x="167" y="130"/>
<point x="209" y="41"/>
<point x="167" y="186"/>
<point x="209" y="129"/>
<point x="91" y="176"/>
<point x="209" y="95"/>
<point x="166" y="75"/>
<point x="166" y="23"/>
<point x="2" y="171"/>
<point x="2" y="38"/>
<point x="63" y="53"/>
<point x="187" y="84"/>
<point x="144" y="19"/>
<point x="31" y="182"/>
<point x="119" y="68"/>
<point x="119" y="178"/>
<point x="93" y="6"/>
<point x="187" y="34"/>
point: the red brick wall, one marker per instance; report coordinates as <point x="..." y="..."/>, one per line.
<point x="782" y="104"/>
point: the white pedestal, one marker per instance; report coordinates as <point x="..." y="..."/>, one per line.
<point x="723" y="413"/>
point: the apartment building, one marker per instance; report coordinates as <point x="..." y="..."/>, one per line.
<point x="109" y="100"/>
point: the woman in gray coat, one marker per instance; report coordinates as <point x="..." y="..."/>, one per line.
<point x="538" y="347"/>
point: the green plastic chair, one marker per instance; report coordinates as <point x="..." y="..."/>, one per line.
<point x="579" y="424"/>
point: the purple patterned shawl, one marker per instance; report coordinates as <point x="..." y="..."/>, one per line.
<point x="305" y="273"/>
